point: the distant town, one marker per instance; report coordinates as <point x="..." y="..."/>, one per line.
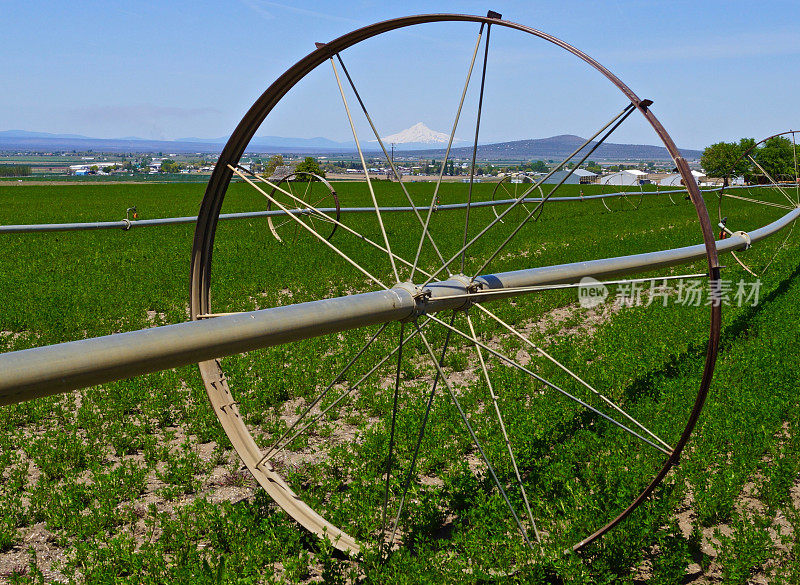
<point x="417" y="154"/>
<point x="59" y="166"/>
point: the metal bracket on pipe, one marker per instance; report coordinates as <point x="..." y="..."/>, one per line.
<point x="740" y="233"/>
<point x="471" y="287"/>
<point x="746" y="237"/>
<point x="419" y="295"/>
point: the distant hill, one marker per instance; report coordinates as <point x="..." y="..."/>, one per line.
<point x="27" y="134"/>
<point x="559" y="147"/>
<point x="22" y="140"/>
<point x="555" y="147"/>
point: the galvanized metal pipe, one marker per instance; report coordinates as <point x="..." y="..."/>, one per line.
<point x="54" y="369"/>
<point x="126" y="224"/>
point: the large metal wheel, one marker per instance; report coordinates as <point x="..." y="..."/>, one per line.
<point x="760" y="188"/>
<point x="506" y="192"/>
<point x="625" y="197"/>
<point x="299" y="192"/>
<point x="489" y="421"/>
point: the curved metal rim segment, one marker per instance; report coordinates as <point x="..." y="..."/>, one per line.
<point x="219" y="394"/>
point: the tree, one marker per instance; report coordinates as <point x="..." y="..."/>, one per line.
<point x="776" y="157"/>
<point x="746" y="144"/>
<point x="309" y="165"/>
<point x="724" y="159"/>
<point x="539" y="166"/>
<point x="169" y="166"/>
<point x="593" y="167"/>
<point x="15" y="170"/>
<point x="275" y="161"/>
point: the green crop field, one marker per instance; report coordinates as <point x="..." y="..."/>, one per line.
<point x="135" y="481"/>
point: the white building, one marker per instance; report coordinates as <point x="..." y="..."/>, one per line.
<point x="85" y="168"/>
<point x="576" y="177"/>
<point x="674" y="180"/>
<point x="627" y="177"/>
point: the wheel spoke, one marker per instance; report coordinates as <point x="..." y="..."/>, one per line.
<point x="283" y="223"/>
<point x="475" y="440"/>
<point x="781" y="247"/>
<point x="503" y="430"/>
<point x="575" y="376"/>
<point x="550" y="385"/>
<point x="391" y="434"/>
<point x="297" y="231"/>
<point x="446" y="155"/>
<point x="769" y="203"/>
<point x="796" y="176"/>
<point x="475" y="147"/>
<point x="623" y="114"/>
<point x="628" y="201"/>
<point x="426" y="232"/>
<point x="325" y="392"/>
<point x="366" y="173"/>
<point x="304" y="225"/>
<point x="320" y="200"/>
<point x="777" y="185"/>
<point x="321" y="215"/>
<point x="420" y="435"/>
<point x="540" y="206"/>
<point x="345" y="394"/>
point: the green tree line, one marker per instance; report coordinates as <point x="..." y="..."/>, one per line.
<point x="777" y="158"/>
<point x="15" y="170"/>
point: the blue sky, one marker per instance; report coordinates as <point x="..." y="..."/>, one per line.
<point x="715" y="70"/>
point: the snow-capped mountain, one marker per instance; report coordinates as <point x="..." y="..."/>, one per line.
<point x="419" y="136"/>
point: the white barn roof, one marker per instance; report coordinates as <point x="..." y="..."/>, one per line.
<point x="573" y="177"/>
<point x="628" y="177"/>
<point x="674" y="179"/>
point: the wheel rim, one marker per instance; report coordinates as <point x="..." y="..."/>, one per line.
<point x="506" y="189"/>
<point x="324" y="197"/>
<point x="223" y="401"/>
<point x="626" y="200"/>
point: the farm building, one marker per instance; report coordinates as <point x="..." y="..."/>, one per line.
<point x="628" y="177"/>
<point x="84" y="169"/>
<point x="674" y="180"/>
<point x="578" y="177"/>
